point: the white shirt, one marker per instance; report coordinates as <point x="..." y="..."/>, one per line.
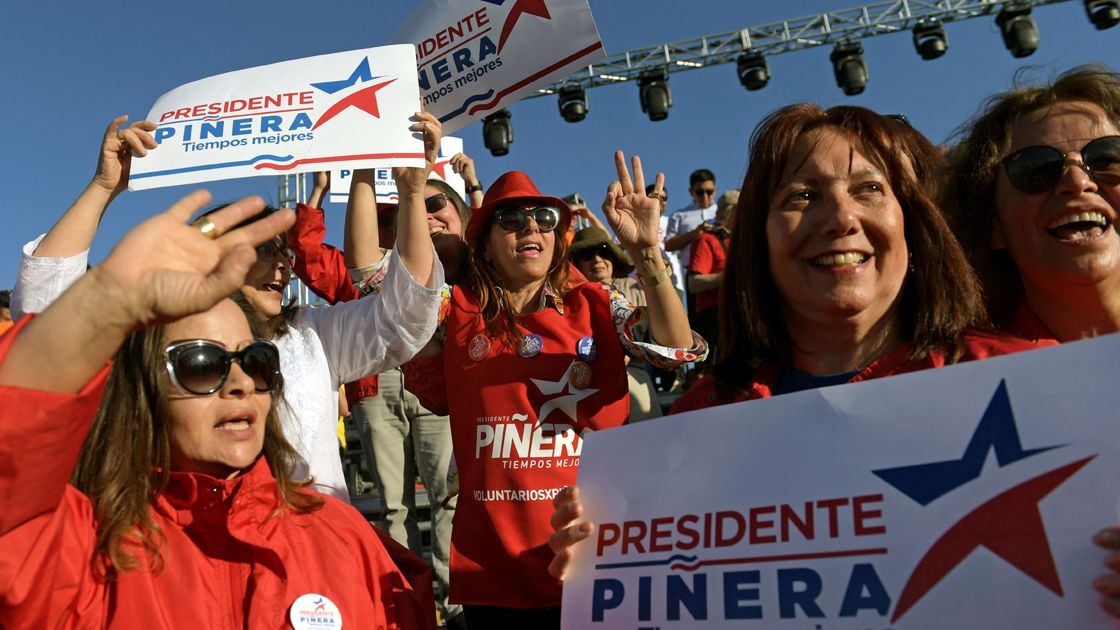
<point x="325" y="347"/>
<point x="684" y="220"/>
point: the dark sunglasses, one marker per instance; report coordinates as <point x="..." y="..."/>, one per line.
<point x="515" y="218"/>
<point x="200" y="367"/>
<point x="274" y="249"/>
<point x="1039" y="168"/>
<point x="706" y="192"/>
<point x="435" y="203"/>
<point x="602" y="251"/>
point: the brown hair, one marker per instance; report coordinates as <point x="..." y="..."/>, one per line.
<point x="974" y="164"/>
<point x="126" y="459"/>
<point x="939" y="299"/>
<point x="495" y="305"/>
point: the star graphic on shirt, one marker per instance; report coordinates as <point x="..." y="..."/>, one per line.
<point x="565" y="403"/>
<point x="532" y="7"/>
<point x="1009" y="525"/>
<point x="364" y="99"/>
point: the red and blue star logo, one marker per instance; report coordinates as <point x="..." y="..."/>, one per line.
<point x="1009" y="525"/>
<point x="364" y="99"/>
<point x="519" y="8"/>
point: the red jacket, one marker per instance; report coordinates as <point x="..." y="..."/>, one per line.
<point x="978" y="345"/>
<point x="229" y="562"/>
<point x="323" y="269"/>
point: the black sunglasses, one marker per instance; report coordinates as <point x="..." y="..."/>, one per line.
<point x="200" y="367"/>
<point x="1039" y="168"/>
<point x="703" y="191"/>
<point x="272" y="248"/>
<point x="515" y="218"/>
<point x="602" y="251"/>
<point x="435" y="203"/>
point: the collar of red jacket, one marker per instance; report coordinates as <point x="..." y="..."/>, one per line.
<point x="190" y="491"/>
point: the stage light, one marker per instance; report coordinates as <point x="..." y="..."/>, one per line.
<point x="1103" y="13"/>
<point x="753" y="70"/>
<point x="930" y="40"/>
<point x="849" y="67"/>
<point x="497" y="132"/>
<point x="1020" y="35"/>
<point x="654" y="93"/>
<point x="573" y="102"/>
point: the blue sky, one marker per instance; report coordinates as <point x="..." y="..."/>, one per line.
<point x="72" y="67"/>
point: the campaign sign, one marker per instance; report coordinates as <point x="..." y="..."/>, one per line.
<point x="961" y="497"/>
<point x="343" y="110"/>
<point x="386" y="187"/>
<point x="474" y="57"/>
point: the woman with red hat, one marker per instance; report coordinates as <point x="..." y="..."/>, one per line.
<point x="528" y="367"/>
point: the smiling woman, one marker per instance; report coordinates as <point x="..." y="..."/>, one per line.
<point x="1035" y="194"/>
<point x="530" y="364"/>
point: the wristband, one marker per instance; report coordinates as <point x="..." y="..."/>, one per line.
<point x="474" y="188"/>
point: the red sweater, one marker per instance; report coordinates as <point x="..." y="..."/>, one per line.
<point x="978" y="345"/>
<point x="323" y="269"/>
<point x="229" y="562"/>
<point x="515" y="438"/>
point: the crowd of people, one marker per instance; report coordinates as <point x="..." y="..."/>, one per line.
<point x="189" y="451"/>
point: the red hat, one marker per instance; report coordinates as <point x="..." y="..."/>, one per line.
<point x="513" y="186"/>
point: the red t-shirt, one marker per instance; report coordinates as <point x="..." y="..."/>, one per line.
<point x="708" y="257"/>
<point x="517" y="425"/>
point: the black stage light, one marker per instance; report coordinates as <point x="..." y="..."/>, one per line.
<point x="654" y="92"/>
<point x="849" y="67"/>
<point x="930" y="40"/>
<point x="1020" y="35"/>
<point x="1103" y="13"/>
<point x="573" y="102"/>
<point x="753" y="70"/>
<point x="497" y="132"/>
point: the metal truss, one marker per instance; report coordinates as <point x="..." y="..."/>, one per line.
<point x="869" y="20"/>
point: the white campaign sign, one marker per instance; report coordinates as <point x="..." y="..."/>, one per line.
<point x="961" y="497"/>
<point x="386" y="187"/>
<point x="476" y="56"/>
<point x="343" y="110"/>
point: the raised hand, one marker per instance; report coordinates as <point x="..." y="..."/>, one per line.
<point x="165" y="269"/>
<point x="633" y="215"/>
<point x="409" y="179"/>
<point x="463" y="164"/>
<point x="117" y="148"/>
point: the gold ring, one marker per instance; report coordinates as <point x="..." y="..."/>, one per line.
<point x="207" y="227"/>
<point x="658" y="195"/>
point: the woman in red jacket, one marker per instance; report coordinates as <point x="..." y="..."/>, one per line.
<point x="184" y="511"/>
<point x="841" y="268"/>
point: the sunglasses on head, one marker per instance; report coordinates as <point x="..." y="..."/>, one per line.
<point x="199" y="367"/>
<point x="275" y="249"/>
<point x="435" y="203"/>
<point x="602" y="251"/>
<point x="515" y="218"/>
<point x="1039" y="168"/>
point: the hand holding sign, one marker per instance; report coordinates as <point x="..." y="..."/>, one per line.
<point x="117" y="148"/>
<point x="410" y="179"/>
<point x="1109" y="585"/>
<point x="568" y="529"/>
